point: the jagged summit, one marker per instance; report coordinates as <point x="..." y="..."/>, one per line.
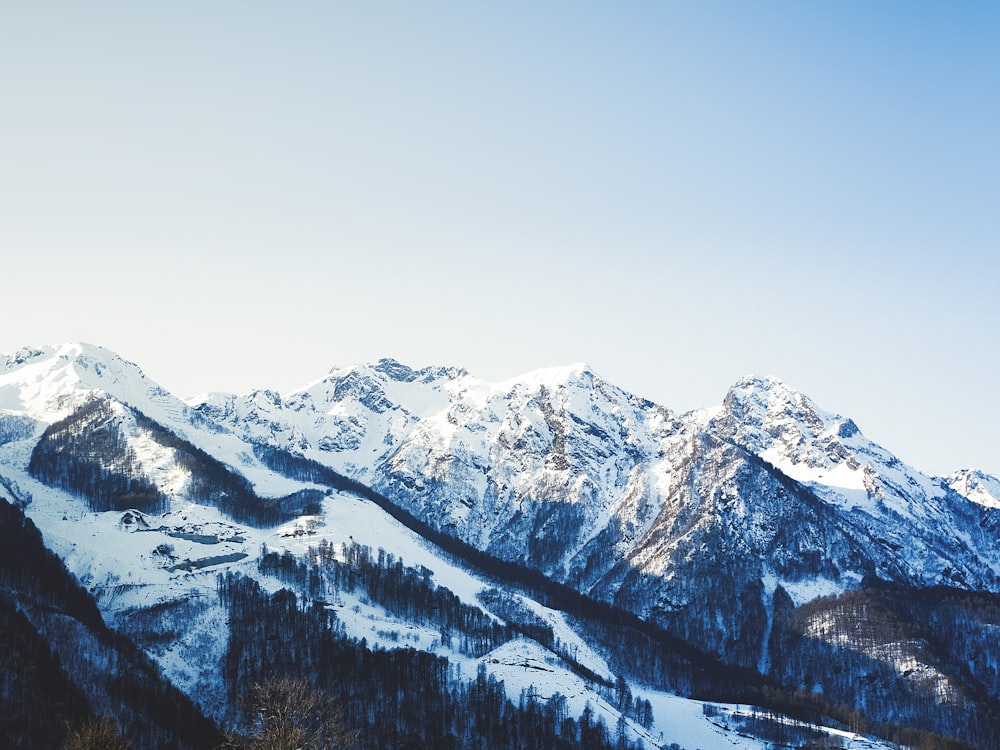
<point x="769" y="417"/>
<point x="22" y="356"/>
<point x="398" y="371"/>
<point x="579" y="372"/>
<point x="388" y="366"/>
<point x="978" y="486"/>
<point x="758" y="399"/>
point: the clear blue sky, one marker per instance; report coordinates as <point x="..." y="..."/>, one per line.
<point x="242" y="194"/>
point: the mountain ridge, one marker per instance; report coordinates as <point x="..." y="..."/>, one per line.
<point x="710" y="526"/>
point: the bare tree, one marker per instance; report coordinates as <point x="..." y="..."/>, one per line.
<point x="287" y="713"/>
<point x="96" y="734"/>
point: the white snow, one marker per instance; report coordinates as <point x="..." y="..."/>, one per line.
<point x="159" y="464"/>
<point x="810" y="589"/>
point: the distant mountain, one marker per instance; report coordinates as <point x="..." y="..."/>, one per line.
<point x="758" y="536"/>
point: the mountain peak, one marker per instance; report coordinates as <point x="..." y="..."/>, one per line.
<point x="760" y="382"/>
<point x="388" y="368"/>
<point x="758" y="399"/>
<point x="768" y="398"/>
<point x="395" y="370"/>
<point x="46" y="382"/>
<point x="66" y="352"/>
<point x="765" y="414"/>
<point x="22" y="356"/>
<point x="977" y="486"/>
<point x="553" y="377"/>
<point x="770" y="387"/>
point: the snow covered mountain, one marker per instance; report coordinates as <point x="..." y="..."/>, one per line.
<point x="720" y="528"/>
<point x="976" y="486"/>
<point x="41" y="386"/>
<point x="561" y="471"/>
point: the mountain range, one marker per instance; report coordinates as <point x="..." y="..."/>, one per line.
<point x="609" y="561"/>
